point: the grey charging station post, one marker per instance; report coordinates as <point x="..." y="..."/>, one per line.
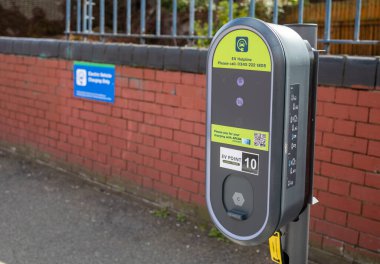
<point x="261" y="84"/>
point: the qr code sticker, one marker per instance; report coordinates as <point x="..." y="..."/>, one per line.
<point x="260" y="140"/>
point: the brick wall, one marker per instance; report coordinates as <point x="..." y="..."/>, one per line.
<point x="347" y="179"/>
<point x="154" y="136"/>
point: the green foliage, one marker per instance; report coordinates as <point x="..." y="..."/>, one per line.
<point x="215" y="233"/>
<point x="161" y="213"/>
<point x="181" y="218"/>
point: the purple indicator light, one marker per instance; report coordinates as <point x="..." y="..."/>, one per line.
<point x="240" y="81"/>
<point x="239" y="101"/>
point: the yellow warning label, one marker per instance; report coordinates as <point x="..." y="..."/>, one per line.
<point x="242" y="49"/>
<point x="275" y="247"/>
<point x="241" y="137"/>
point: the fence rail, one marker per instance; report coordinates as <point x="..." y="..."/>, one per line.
<point x="85" y="17"/>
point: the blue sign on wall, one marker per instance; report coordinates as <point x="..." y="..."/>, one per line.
<point x="94" y="81"/>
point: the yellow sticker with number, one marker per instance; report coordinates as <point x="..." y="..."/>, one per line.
<point x="275" y="248"/>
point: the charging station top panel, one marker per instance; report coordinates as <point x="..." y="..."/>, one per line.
<point x="242" y="49"/>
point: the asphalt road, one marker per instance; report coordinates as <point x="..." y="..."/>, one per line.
<point x="49" y="216"/>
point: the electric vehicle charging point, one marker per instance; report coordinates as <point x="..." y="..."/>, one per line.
<point x="261" y="81"/>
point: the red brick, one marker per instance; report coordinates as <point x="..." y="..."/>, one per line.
<point x="337" y="231"/>
<point x="364" y="225"/>
<point x="133" y="115"/>
<point x="342" y="203"/>
<point x="169" y="145"/>
<point x="185" y="172"/>
<point x="199" y="152"/>
<point x="322" y="153"/>
<point x="334" y="246"/>
<point x="149" y="108"/>
<point x="346" y="96"/>
<point x="374" y="116"/>
<point x="336" y="110"/>
<point x="198" y="176"/>
<point x="189" y="114"/>
<point x="132" y="72"/>
<point x="342" y="173"/>
<point x="186" y="161"/>
<point x="185" y="149"/>
<point x="371" y="211"/>
<point x="320" y="182"/>
<point x="152" y="86"/>
<point x="149" y="151"/>
<point x="335" y="216"/>
<point x="148" y="172"/>
<point x="317" y="211"/>
<point x="200" y="129"/>
<point x="365" y="194"/>
<point x="315" y="240"/>
<point x="342" y="157"/>
<point x="166" y="178"/>
<point x="168" y="167"/>
<point x="168" y="99"/>
<point x="369" y="98"/>
<point x="187" y="126"/>
<point x="366" y="162"/>
<point x="150" y="130"/>
<point x="168" y="76"/>
<point x="344" y="127"/>
<point x="185" y="184"/>
<point x="339" y="187"/>
<point x="345" y="142"/>
<point x="187" y="78"/>
<point x="164" y="188"/>
<point x="189" y="138"/>
<point x="149" y="74"/>
<point x="76" y="141"/>
<point x="373" y="180"/>
<point x="184" y="195"/>
<point x="168" y="122"/>
<point x="374" y="148"/>
<point x="200" y="80"/>
<point x="325" y="94"/>
<point x="198" y="199"/>
<point x="369" y="242"/>
<point x="368" y="131"/>
<point x="149" y="118"/>
<point x="324" y="124"/>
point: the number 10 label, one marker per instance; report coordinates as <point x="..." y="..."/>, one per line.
<point x="239" y="161"/>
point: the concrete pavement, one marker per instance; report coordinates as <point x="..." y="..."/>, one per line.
<point x="49" y="216"/>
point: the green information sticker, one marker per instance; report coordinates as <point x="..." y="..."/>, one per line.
<point x="240" y="137"/>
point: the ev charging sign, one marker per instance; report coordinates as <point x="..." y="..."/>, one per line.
<point x="239" y="160"/>
<point x="94" y="81"/>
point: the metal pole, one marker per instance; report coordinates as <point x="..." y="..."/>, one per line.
<point x="357" y="19"/>
<point x="252" y="7"/>
<point x="275" y="12"/>
<point x="174" y="19"/>
<point x="101" y="16"/>
<point x="85" y="8"/>
<point x="128" y="17"/>
<point x="327" y="24"/>
<point x="192" y="14"/>
<point x="142" y="20"/>
<point x="158" y="18"/>
<point x="68" y="16"/>
<point x="210" y="25"/>
<point x="90" y="16"/>
<point x="79" y="13"/>
<point x="300" y="11"/>
<point x="114" y="24"/>
<point x="230" y="10"/>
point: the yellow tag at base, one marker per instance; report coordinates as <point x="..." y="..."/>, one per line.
<point x="275" y="248"/>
